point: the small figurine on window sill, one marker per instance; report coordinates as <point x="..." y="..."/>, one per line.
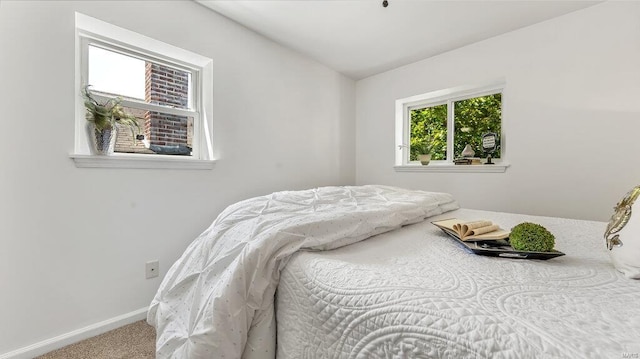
<point x="468" y="152"/>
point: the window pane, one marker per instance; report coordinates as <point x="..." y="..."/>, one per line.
<point x="429" y="126"/>
<point x="122" y="75"/>
<point x="117" y="74"/>
<point x="167" y="86"/>
<point x="163" y="134"/>
<point x="126" y="142"/>
<point x="473" y="118"/>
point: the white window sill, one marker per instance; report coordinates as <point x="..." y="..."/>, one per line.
<point x="451" y="168"/>
<point x="142" y="161"/>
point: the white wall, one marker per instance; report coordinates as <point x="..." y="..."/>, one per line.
<point x="74" y="241"/>
<point x="571" y="115"/>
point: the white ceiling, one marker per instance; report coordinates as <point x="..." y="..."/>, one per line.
<point x="360" y="38"/>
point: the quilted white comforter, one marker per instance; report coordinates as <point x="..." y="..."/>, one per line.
<point x="221" y="291"/>
<point x="416" y="293"/>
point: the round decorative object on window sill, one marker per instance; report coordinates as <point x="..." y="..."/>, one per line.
<point x="468" y="152"/>
<point x="103" y="142"/>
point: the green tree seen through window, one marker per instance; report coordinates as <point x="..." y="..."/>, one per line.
<point x="429" y="125"/>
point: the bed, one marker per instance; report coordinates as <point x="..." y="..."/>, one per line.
<point x="360" y="272"/>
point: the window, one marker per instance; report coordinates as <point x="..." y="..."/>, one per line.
<point x="160" y="96"/>
<point x="446" y="122"/>
<point x="166" y="88"/>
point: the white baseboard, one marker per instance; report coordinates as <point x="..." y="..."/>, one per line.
<point x="63" y="340"/>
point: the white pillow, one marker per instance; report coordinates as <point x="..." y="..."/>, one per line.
<point x="623" y="235"/>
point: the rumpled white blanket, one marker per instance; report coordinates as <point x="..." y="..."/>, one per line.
<point x="224" y="283"/>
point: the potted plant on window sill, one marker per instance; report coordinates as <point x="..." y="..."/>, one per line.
<point x="424" y="151"/>
<point x="103" y="120"/>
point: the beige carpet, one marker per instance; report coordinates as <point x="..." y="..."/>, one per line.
<point x="133" y="341"/>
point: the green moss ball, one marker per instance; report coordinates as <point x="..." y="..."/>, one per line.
<point x="531" y="237"/>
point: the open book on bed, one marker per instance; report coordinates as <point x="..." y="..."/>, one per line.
<point x="472" y="231"/>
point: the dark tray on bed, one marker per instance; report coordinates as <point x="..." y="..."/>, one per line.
<point x="502" y="248"/>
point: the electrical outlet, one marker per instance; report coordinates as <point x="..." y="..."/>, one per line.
<point x="152" y="268"/>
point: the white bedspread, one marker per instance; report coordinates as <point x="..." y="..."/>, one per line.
<point x="224" y="283"/>
<point x="416" y="293"/>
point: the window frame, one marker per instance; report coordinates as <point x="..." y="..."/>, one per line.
<point x="94" y="32"/>
<point x="449" y="97"/>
